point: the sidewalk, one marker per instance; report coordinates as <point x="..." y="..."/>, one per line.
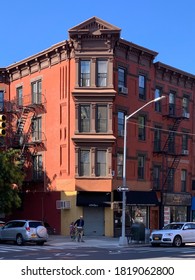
<point x="90" y="241"/>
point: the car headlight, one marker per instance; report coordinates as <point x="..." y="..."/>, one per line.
<point x="169" y="234"/>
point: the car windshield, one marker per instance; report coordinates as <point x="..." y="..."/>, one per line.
<point x="173" y="226"/>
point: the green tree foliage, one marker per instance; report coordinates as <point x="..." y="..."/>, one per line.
<point x="11" y="178"/>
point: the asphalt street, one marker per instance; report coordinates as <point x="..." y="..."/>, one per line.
<point x="94" y="248"/>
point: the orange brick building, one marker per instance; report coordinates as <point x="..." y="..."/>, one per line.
<point x="66" y="108"/>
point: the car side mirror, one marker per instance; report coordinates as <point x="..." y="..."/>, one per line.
<point x="186" y="227"/>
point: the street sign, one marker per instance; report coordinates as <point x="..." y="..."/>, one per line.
<point x="122" y="189"/>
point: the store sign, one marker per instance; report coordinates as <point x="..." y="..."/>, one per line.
<point x="176" y="199"/>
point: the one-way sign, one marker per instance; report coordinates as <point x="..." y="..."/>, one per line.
<point x="122" y="189"/>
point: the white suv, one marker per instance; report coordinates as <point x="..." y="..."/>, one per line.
<point x="176" y="234"/>
<point x="21" y="231"/>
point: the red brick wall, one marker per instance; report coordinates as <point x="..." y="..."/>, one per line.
<point x="40" y="206"/>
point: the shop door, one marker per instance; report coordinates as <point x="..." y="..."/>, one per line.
<point x="94" y="221"/>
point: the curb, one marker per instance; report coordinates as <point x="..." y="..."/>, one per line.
<point x="92" y="242"/>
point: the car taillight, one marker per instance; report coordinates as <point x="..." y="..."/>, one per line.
<point x="28" y="228"/>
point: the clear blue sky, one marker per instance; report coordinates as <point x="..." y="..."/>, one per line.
<point x="164" y="26"/>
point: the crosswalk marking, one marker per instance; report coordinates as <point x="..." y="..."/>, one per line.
<point x="11" y="249"/>
<point x="4" y="249"/>
<point x="7" y="248"/>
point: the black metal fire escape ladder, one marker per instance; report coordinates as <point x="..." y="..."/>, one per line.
<point x="167" y="167"/>
<point x="22" y="138"/>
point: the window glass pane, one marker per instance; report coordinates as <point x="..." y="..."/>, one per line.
<point x="171" y="103"/>
<point x="84" y="118"/>
<point x="121" y="118"/>
<point x="157" y="139"/>
<point x="140" y="167"/>
<point x="158" y="103"/>
<point x="19" y="96"/>
<point x="156" y="177"/>
<point x="102" y="73"/>
<point x="142" y="87"/>
<point x="101" y="163"/>
<point x="185" y="105"/>
<point x="171" y="142"/>
<point x="141" y="128"/>
<point x="37" y="129"/>
<point x="183" y="175"/>
<point x="184" y="141"/>
<point x="121" y="77"/>
<point x="119" y="165"/>
<point x="170" y="179"/>
<point x="171" y="98"/>
<point x="102" y="118"/>
<point x="84" y="163"/>
<point x="36" y="89"/>
<point x="85" y="73"/>
<point x="141" y="81"/>
<point x="37" y="167"/>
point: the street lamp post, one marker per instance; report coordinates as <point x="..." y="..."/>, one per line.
<point x="123" y="239"/>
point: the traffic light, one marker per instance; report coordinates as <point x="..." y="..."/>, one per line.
<point x="2" y="125"/>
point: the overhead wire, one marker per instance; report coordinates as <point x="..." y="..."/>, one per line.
<point x="162" y="129"/>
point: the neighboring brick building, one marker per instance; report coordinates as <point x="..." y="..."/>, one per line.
<point x="66" y="108"/>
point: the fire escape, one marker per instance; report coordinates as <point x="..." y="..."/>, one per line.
<point x="26" y="135"/>
<point x="170" y="151"/>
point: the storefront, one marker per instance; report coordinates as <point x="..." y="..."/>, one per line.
<point x="176" y="207"/>
<point x="94" y="213"/>
<point x="138" y="205"/>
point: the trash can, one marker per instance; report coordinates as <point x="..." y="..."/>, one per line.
<point x="138" y="232"/>
<point x="147" y="235"/>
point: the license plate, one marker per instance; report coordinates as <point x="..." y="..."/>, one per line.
<point x="156" y="238"/>
<point x="33" y="235"/>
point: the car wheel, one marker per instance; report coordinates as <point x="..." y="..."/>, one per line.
<point x="177" y="242"/>
<point x="19" y="240"/>
<point x="41" y="231"/>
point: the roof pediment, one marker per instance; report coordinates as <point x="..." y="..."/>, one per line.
<point x="94" y="26"/>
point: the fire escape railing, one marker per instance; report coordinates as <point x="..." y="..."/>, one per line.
<point x="170" y="152"/>
<point x="26" y="109"/>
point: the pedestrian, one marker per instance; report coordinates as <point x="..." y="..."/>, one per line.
<point x="79" y="228"/>
<point x="72" y="231"/>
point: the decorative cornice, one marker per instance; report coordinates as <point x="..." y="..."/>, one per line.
<point x="46" y="58"/>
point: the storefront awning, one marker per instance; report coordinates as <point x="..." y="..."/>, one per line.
<point x="94" y="199"/>
<point x="138" y="198"/>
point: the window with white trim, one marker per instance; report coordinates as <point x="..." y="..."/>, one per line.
<point x="36" y="90"/>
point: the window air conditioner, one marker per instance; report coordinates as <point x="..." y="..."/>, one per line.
<point x="123" y="90"/>
<point x="62" y="204"/>
<point x="186" y="115"/>
<point x="185" y="152"/>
